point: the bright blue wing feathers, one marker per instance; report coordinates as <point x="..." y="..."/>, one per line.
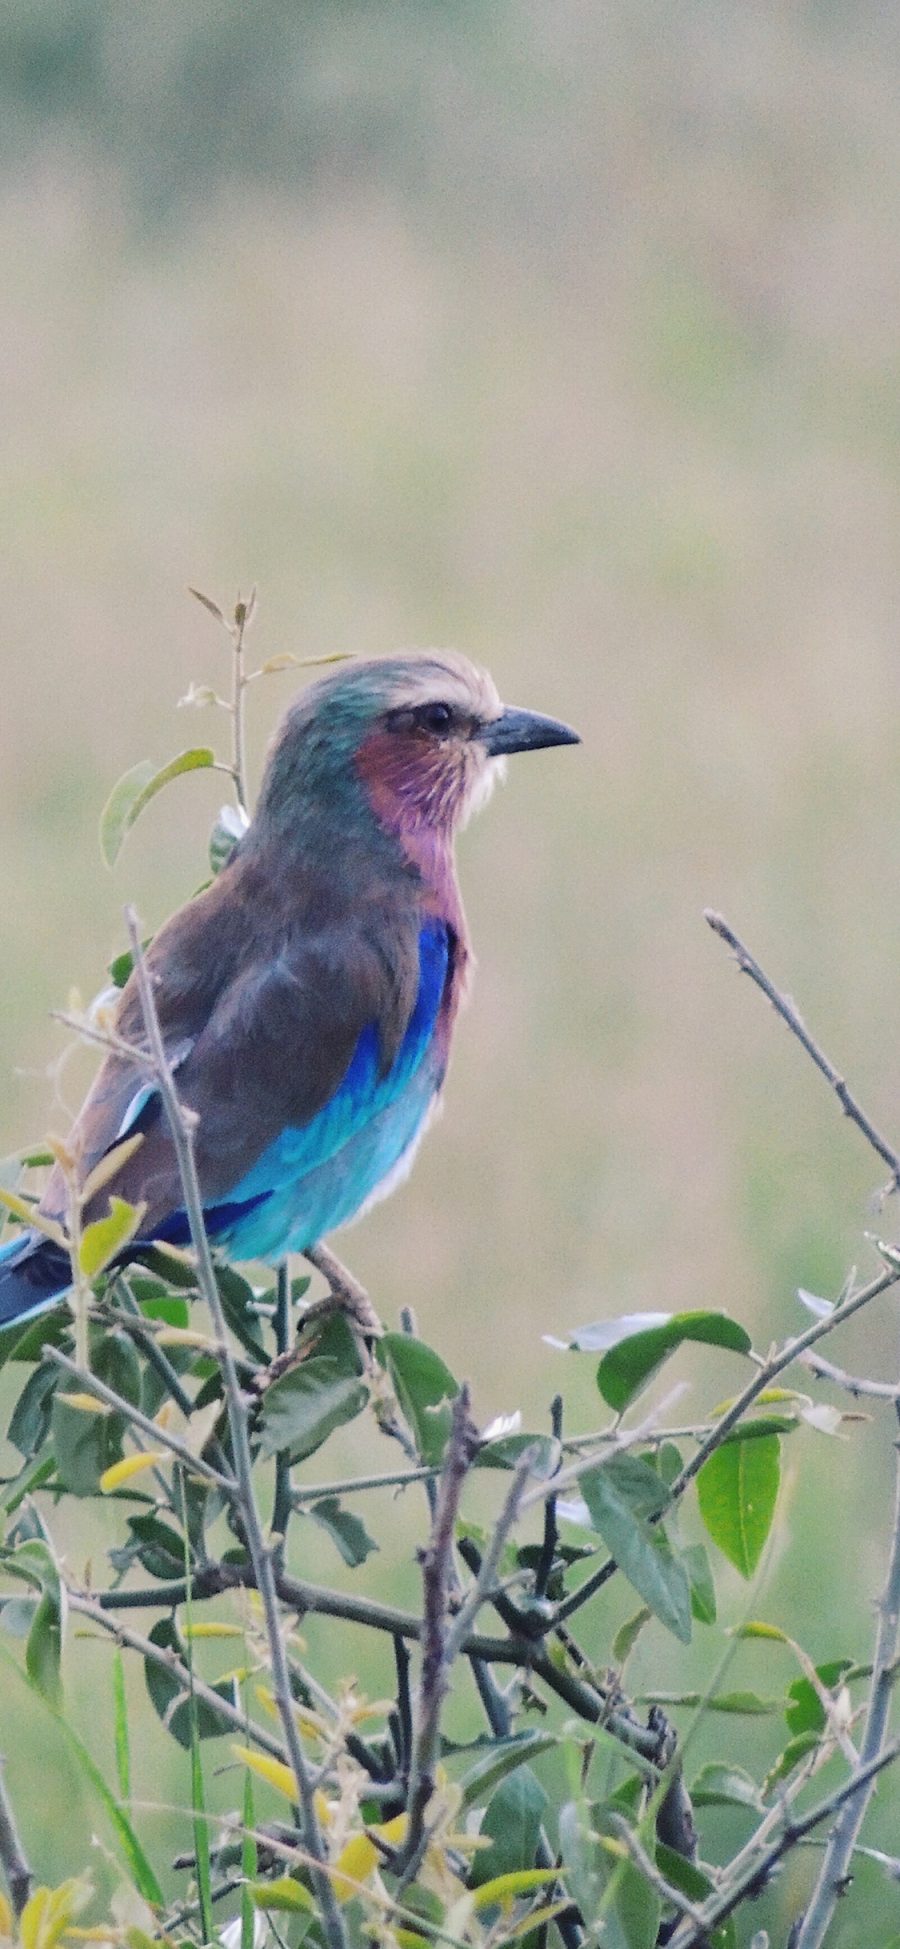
<point x="314" y="1178"/>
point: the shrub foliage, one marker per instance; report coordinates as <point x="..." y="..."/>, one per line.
<point x="196" y="1404"/>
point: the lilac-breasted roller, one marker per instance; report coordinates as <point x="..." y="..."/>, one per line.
<point x="307" y="998"/>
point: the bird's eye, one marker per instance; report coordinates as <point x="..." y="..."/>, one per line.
<point x="436" y="718"/>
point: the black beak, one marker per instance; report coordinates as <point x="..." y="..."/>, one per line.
<point x="524" y="731"/>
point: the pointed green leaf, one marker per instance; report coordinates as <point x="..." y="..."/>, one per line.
<point x="806" y="1713"/>
<point x="628" y="1633"/>
<point x="628" y="1366"/>
<point x="134" y="791"/>
<point x="501" y="1759"/>
<point x="425" y="1389"/>
<point x="794" y="1753"/>
<point x="347" y="1531"/>
<point x="303" y="1408"/>
<point x="692" y="1881"/>
<point x="700" y="1578"/>
<point x="737" y="1489"/>
<point x="721" y="1785"/>
<point x="43" y="1648"/>
<point x="283" y="1895"/>
<point x="172" y="1699"/>
<point x="512" y="1824"/>
<point x="632" y="1908"/>
<point x="505" y="1451"/>
<point x="620" y="1495"/>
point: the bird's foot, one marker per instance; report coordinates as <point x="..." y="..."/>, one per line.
<point x="344" y="1293"/>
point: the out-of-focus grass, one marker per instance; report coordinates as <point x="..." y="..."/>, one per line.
<point x="587" y="364"/>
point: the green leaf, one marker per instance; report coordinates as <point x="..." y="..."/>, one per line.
<point x="347" y="1532"/>
<point x="249" y="1862"/>
<point x="304" y="1407"/>
<point x="512" y="1824"/>
<point x="170" y="1309"/>
<point x="578" y="1849"/>
<point x="722" y="1785"/>
<point x="43" y="1648"/>
<point x="283" y="1895"/>
<point x="31" y="1415"/>
<point x="425" y="1389"/>
<point x="750" y="1704"/>
<point x="501" y="1759"/>
<point x="737" y="1489"/>
<point x="101" y="1241"/>
<point x="700" y="1578"/>
<point x="505" y="1451"/>
<point x="794" y="1753"/>
<point x="85" y="1445"/>
<point x="238" y="1305"/>
<point x="628" y="1633"/>
<point x="120" y="1727"/>
<point x="27" y="1343"/>
<point x="692" y="1880"/>
<point x="806" y="1712"/>
<point x="172" y="1699"/>
<point x="158" y="1546"/>
<point x="631" y="1907"/>
<point x="620" y="1495"/>
<point x="135" y="1859"/>
<point x="628" y="1366"/>
<point x="134" y="791"/>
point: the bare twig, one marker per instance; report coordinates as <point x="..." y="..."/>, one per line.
<point x="842" y="1839"/>
<point x="438" y="1648"/>
<point x="651" y="1874"/>
<point x="181" y="1125"/>
<point x="88" y="1605"/>
<point x="784" y="1007"/>
<point x="159" y="1436"/>
<point x="854" y="1384"/>
<point x="19" y="1877"/>
<point x="243" y="613"/>
<point x="724" y="1903"/>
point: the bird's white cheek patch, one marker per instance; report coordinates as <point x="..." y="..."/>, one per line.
<point x="492" y="772"/>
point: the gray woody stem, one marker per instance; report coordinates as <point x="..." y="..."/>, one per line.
<point x="182" y="1125"/>
<point x="784" y="1007"/>
<point x="15" y="1867"/>
<point x="436" y="1635"/>
<point x="842" y="1839"/>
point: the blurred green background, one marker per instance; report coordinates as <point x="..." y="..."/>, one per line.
<point x="567" y="335"/>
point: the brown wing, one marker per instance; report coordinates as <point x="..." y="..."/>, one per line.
<point x="260" y="1013"/>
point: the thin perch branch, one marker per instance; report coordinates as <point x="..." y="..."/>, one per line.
<point x="784" y="1007"/>
<point x="838" y="1855"/>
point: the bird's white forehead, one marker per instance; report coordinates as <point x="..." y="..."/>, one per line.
<point x="443" y="676"/>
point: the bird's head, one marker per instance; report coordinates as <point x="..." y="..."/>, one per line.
<point x="422" y="736"/>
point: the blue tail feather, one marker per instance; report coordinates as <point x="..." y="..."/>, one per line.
<point x="34" y="1274"/>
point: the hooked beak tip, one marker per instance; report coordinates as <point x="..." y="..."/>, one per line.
<point x="516" y="730"/>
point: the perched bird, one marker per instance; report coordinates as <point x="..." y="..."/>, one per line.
<point x="307" y="997"/>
